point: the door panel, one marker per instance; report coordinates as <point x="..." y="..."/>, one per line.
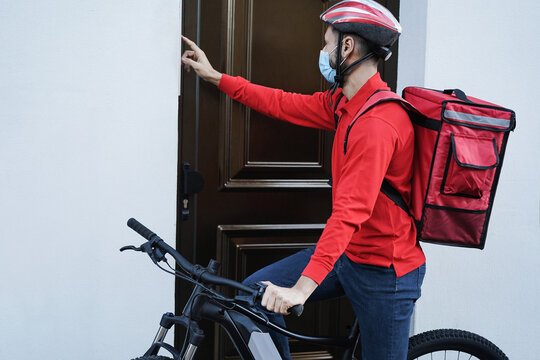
<point x="263" y="46"/>
<point x="266" y="190"/>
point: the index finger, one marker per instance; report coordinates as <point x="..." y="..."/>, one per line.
<point x="190" y="43"/>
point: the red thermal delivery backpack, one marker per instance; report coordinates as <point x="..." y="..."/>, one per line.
<point x="460" y="143"/>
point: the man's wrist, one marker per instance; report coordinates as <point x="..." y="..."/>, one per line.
<point x="306" y="285"/>
<point x="215" y="77"/>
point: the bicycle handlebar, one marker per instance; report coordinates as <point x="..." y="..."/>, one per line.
<point x="197" y="272"/>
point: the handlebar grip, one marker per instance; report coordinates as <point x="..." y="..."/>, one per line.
<point x="140" y="229"/>
<point x="296" y="310"/>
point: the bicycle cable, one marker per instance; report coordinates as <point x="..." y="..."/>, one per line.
<point x="193" y="281"/>
<point x="226" y="302"/>
<point x="184" y="276"/>
<point x="211" y="291"/>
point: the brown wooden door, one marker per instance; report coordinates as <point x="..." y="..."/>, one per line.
<point x="266" y="192"/>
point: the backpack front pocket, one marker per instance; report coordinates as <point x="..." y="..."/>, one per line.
<point x="470" y="166"/>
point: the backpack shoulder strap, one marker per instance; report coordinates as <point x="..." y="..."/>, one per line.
<point x="394" y="195"/>
<point x="376" y="98"/>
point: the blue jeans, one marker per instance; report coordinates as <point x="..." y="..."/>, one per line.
<point x="383" y="303"/>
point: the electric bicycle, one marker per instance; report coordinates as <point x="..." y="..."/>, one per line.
<point x="246" y="325"/>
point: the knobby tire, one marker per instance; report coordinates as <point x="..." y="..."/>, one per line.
<point x="450" y="339"/>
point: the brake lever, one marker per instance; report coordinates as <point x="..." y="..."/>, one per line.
<point x="155" y="254"/>
<point x="130" y="247"/>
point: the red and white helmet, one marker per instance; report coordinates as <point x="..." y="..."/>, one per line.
<point x="367" y="18"/>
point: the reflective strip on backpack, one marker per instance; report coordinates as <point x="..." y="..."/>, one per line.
<point x="476" y="119"/>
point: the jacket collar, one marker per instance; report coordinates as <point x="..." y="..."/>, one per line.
<point x="359" y="99"/>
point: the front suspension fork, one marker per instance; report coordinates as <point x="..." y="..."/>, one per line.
<point x="196" y="337"/>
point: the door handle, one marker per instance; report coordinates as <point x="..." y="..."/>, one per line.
<point x="191" y="182"/>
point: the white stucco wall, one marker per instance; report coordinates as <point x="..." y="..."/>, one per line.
<point x="88" y="138"/>
<point x="490" y="50"/>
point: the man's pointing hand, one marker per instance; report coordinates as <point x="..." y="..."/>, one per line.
<point x="197" y="60"/>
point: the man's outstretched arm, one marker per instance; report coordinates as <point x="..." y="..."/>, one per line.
<point x="304" y="110"/>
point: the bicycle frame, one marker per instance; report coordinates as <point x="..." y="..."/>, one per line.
<point x="240" y="323"/>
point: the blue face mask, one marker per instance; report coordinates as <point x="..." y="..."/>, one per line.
<point x="327" y="71"/>
<point x="324" y="65"/>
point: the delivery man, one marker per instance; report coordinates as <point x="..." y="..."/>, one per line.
<point x="368" y="249"/>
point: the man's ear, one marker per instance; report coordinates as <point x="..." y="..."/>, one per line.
<point x="347" y="47"/>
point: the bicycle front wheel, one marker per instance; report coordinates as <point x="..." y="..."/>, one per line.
<point x="450" y="344"/>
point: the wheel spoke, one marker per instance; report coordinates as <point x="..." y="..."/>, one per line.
<point x="446" y="355"/>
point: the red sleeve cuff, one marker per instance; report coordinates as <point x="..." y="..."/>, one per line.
<point x="316" y="271"/>
<point x="228" y="84"/>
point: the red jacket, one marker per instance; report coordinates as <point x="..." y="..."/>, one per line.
<point x="365" y="224"/>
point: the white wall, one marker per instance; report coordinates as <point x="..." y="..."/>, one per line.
<point x="88" y="138"/>
<point x="489" y="49"/>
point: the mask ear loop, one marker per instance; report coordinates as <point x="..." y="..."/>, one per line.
<point x="338" y="78"/>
